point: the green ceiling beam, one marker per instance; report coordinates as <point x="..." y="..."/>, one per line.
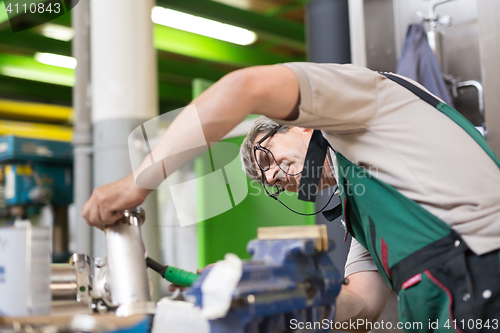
<point x="34" y="91"/>
<point x="28" y="68"/>
<point x="30" y="41"/>
<point x="197" y="46"/>
<point x="283" y="31"/>
<point x="278" y="10"/>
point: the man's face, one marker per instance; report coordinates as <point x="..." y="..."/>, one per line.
<point x="289" y="150"/>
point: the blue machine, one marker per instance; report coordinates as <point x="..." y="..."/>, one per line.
<point x="285" y="280"/>
<point x="35" y="172"/>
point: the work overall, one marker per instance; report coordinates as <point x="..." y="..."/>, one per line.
<point x="441" y="284"/>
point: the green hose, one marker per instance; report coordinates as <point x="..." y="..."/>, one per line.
<point x="180" y="277"/>
<point x="172" y="274"/>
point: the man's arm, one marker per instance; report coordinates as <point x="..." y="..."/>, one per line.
<point x="364" y="297"/>
<point x="272" y="91"/>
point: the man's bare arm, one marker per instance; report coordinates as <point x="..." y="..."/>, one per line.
<point x="363" y="298"/>
<point x="272" y="91"/>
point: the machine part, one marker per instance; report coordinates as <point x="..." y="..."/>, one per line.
<point x="63" y="282"/>
<point x="318" y="233"/>
<point x="127" y="272"/>
<point x="71" y="285"/>
<point x="172" y="274"/>
<point x="285" y="279"/>
<point x="83" y="269"/>
<point x="100" y="287"/>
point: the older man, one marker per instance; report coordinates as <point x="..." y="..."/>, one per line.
<point x="419" y="185"/>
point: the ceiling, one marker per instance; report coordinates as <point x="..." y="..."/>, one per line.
<point x="182" y="56"/>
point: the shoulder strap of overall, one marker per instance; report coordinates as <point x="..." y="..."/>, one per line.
<point x="448" y="111"/>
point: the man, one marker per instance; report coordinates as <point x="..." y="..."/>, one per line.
<point x="429" y="212"/>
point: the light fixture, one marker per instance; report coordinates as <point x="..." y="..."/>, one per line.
<point x="55" y="60"/>
<point x="57" y="31"/>
<point x="202" y="26"/>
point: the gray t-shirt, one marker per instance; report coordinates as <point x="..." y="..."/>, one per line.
<point x="405" y="142"/>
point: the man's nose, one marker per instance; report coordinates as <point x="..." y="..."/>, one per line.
<point x="272" y="174"/>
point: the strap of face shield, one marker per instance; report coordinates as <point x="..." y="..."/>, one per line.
<point x="313" y="167"/>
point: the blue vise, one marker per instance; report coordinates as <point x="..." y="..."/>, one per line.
<point x="287" y="281"/>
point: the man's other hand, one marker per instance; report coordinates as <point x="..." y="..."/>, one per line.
<point x="107" y="202"/>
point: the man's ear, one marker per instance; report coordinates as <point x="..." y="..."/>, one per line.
<point x="305" y="130"/>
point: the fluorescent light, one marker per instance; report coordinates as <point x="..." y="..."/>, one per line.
<point x="202" y="26"/>
<point x="55" y="60"/>
<point x="40" y="76"/>
<point x="57" y="31"/>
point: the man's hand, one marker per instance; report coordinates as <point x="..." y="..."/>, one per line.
<point x="107" y="202"/>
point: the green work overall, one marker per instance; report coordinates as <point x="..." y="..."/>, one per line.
<point x="438" y="279"/>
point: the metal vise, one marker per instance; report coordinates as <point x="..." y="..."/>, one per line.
<point x="290" y="276"/>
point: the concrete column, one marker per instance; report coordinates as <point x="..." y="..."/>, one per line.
<point x="327" y="31"/>
<point x="489" y="50"/>
<point x="82" y="135"/>
<point x="124" y="95"/>
<point x="357" y="32"/>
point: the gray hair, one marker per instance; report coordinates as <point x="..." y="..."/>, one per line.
<point x="261" y="125"/>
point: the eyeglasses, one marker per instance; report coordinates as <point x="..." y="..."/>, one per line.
<point x="264" y="157"/>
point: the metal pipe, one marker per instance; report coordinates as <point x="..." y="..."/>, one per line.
<point x="433" y="5"/>
<point x="126" y="262"/>
<point x="80" y="234"/>
<point x="480" y="96"/>
<point x="435" y="40"/>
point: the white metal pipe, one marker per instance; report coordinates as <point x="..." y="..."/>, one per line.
<point x="127" y="271"/>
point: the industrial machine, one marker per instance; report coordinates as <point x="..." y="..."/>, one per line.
<point x="118" y="283"/>
<point x="290" y="278"/>
<point x="35" y="173"/>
